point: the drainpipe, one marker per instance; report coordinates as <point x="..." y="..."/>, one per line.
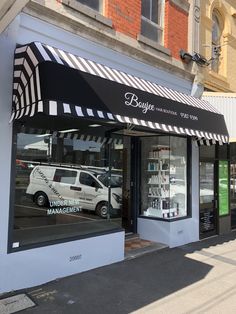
<point x="194" y="46"/>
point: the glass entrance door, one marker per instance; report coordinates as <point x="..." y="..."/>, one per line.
<point x="120" y="180"/>
<point x="207" y="199"/>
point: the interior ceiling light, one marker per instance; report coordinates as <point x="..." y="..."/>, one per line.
<point x="94" y="125"/>
<point x="69" y="130"/>
<point x="111" y="122"/>
<point x="196" y="57"/>
<point x="43" y="135"/>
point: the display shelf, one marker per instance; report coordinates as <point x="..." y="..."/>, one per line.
<point x="156" y="196"/>
<point x="158" y="183"/>
<point x="161" y="213"/>
<point x="160" y="168"/>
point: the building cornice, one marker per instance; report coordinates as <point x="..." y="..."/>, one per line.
<point x="91" y="29"/>
<point x="217" y="82"/>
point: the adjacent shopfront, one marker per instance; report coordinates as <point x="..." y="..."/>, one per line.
<point x="214" y="190"/>
<point x="97" y="153"/>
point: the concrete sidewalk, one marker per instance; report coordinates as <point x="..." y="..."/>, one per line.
<point x="195" y="278"/>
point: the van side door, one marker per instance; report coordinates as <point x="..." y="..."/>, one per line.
<point x="64" y="184"/>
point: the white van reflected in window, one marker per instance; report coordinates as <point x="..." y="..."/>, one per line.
<point x="53" y="183"/>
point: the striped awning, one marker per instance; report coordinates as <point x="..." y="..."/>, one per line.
<point x="51" y="81"/>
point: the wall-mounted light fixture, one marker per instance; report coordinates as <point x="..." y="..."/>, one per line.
<point x="196" y="57"/>
<point x="185" y="56"/>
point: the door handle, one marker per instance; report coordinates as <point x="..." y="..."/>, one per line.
<point x="75" y="188"/>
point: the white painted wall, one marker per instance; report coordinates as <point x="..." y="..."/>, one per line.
<point x="32" y="267"/>
<point x="36" y="266"/>
<point x="7" y="47"/>
<point x="177" y="232"/>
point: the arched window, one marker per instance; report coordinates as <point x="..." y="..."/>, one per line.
<point x="216" y="39"/>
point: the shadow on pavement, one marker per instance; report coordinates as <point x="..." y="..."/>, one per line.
<point x="120" y="288"/>
<point x="209" y="242"/>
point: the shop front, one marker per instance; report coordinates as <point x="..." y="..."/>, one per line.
<point x="97" y="151"/>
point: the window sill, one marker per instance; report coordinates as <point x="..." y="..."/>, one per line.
<point x="148" y="42"/>
<point x="75" y="5"/>
<point x="164" y="219"/>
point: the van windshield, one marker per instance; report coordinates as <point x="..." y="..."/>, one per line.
<point x="115" y="181"/>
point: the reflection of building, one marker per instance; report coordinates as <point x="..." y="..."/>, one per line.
<point x="68" y="77"/>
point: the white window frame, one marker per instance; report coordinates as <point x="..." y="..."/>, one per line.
<point x="160" y="22"/>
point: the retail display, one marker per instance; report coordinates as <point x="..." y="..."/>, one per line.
<point x="160" y="199"/>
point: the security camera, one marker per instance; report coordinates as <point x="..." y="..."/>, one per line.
<point x="200" y="60"/>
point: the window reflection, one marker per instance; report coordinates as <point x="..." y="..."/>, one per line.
<point x="62" y="186"/>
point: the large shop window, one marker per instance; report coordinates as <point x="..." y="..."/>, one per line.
<point x="164" y="177"/>
<point x="64" y="187"/>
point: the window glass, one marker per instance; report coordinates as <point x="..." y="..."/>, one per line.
<point x="94" y="4"/>
<point x="154" y="12"/>
<point x="65" y="176"/>
<point x="115" y="180"/>
<point x="164" y="177"/>
<point x="58" y="193"/>
<point x="87" y="179"/>
<point x="233" y="183"/>
<point x="146" y="9"/>
<point x="151" y="20"/>
<point x="178" y="174"/>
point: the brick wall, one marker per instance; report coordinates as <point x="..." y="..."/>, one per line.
<point x="125" y="16"/>
<point x="175" y="28"/>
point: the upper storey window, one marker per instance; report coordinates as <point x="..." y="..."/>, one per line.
<point x="216" y="39"/>
<point x="93" y="4"/>
<point x="151" y="20"/>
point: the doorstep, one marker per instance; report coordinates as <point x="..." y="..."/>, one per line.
<point x="135" y="247"/>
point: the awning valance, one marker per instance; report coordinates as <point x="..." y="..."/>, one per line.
<point x="51" y="81"/>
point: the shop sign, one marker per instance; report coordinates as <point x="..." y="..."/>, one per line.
<point x="131" y="99"/>
<point x="207" y="220"/>
<point x="223" y="185"/>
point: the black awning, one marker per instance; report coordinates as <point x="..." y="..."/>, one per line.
<point x="56" y="83"/>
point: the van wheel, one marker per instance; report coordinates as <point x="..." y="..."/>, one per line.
<point x="41" y="199"/>
<point x="102" y="209"/>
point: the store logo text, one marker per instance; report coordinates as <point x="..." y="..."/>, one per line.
<point x="133" y="100"/>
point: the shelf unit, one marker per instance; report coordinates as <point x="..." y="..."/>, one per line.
<point x="159" y="184"/>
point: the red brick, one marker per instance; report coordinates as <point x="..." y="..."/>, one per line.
<point x="125" y="15"/>
<point x="175" y="29"/>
